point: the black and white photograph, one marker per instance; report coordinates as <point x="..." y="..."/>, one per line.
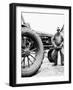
<point x="42" y="44"/>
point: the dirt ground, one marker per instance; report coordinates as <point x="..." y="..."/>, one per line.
<point x="47" y="68"/>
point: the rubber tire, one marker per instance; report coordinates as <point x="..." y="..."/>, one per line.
<point x="50" y="55"/>
<point x="27" y="72"/>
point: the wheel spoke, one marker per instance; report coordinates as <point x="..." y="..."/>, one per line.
<point x="23" y="61"/>
<point x="33" y="57"/>
<point x="23" y="51"/>
<point x="33" y="49"/>
<point x="30" y="60"/>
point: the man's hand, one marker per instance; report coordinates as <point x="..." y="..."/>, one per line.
<point x="61" y="45"/>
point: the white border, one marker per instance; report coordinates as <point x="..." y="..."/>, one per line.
<point x="35" y="79"/>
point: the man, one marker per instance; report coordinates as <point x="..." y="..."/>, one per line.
<point x="57" y="41"/>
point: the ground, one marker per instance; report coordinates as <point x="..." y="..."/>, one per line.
<point x="47" y="68"/>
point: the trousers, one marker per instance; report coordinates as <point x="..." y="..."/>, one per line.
<point x="55" y="55"/>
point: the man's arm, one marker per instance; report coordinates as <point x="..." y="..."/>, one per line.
<point x="53" y="41"/>
<point x="62" y="43"/>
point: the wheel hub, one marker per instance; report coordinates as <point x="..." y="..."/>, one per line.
<point x="27" y="53"/>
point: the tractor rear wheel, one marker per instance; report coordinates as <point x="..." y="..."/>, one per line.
<point x="32" y="53"/>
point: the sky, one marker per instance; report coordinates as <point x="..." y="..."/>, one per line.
<point x="44" y="22"/>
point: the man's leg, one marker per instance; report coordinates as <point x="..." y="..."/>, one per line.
<point x="62" y="57"/>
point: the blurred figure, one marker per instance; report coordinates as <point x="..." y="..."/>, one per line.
<point x="57" y="41"/>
